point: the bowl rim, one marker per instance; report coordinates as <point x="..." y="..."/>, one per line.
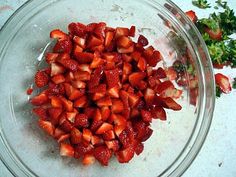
<point x="205" y="126"/>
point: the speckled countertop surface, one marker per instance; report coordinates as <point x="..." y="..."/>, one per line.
<point x="217" y="156"/>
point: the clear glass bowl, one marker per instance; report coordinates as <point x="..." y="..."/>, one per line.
<point x="27" y="151"/>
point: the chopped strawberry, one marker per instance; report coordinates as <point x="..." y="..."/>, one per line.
<point x="118" y="119"/>
<point x="124" y="156"/>
<point x="122" y="50"/>
<point x="142" y="40"/>
<point x="79" y="85"/>
<point x="158" y="113"/>
<point x="41" y="79"/>
<point x="77" y="29"/>
<point x="139" y="148"/>
<point x="171" y="104"/>
<point x="99" y="30"/>
<point x="105" y="113"/>
<point x="29" y="91"/>
<point x="97" y="62"/>
<point x="84" y="57"/>
<point x="88" y="159"/>
<point x="83" y="148"/>
<point x="51" y="57"/>
<point x="71" y="116"/>
<point x="149" y="95"/>
<point x="171" y="92"/>
<point x="80" y="41"/>
<point x="56" y="102"/>
<point x="117" y="106"/>
<point x="63" y="46"/>
<point x="63" y="138"/>
<point x="106" y="101"/>
<point x="192" y="16"/>
<point x="102" y="154"/>
<point x="124" y="42"/>
<point x="154" y="58"/>
<point x="171" y="73"/>
<point x="103" y="128"/>
<point x="56" y="69"/>
<point x="146" y="115"/>
<point x="163" y="86"/>
<point x="93" y="41"/>
<point x="118" y="129"/>
<point x="109" y="135"/>
<point x="81" y="102"/>
<point x="223" y="82"/>
<point x="98" y="89"/>
<point x="133" y="99"/>
<point x="67" y="104"/>
<point x="132" y="31"/>
<point x="66" y="126"/>
<point x="113" y="145"/>
<point x="136" y="77"/>
<point x="39" y="100"/>
<point x="96" y="140"/>
<point x="113" y="92"/>
<point x="58" y="133"/>
<point x="82" y="75"/>
<point x="87" y="135"/>
<point x="54" y="114"/>
<point x="57" y="79"/>
<point x="120" y="31"/>
<point x="66" y="150"/>
<point x="108" y="38"/>
<point x="75" y="136"/>
<point x="70" y="64"/>
<point x="84" y="67"/>
<point x="142" y="64"/>
<point x="40" y="112"/>
<point x="96" y="77"/>
<point x="81" y="120"/>
<point x="112" y="77"/>
<point x="58" y="34"/>
<point x="46" y="126"/>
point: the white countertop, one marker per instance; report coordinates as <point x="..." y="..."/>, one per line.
<point x="217" y="157"/>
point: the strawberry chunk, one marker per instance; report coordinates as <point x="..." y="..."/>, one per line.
<point x="39" y="100"/>
<point x="88" y="159"/>
<point x="66" y="150"/>
<point x="142" y="40"/>
<point x="40" y="112"/>
<point x="81" y="120"/>
<point x="75" y="136"/>
<point x="41" y="79"/>
<point x="63" y="46"/>
<point x="223" y="82"/>
<point x="103" y="128"/>
<point x="124" y="156"/>
<point x="58" y="34"/>
<point x="112" y="77"/>
<point x="102" y="154"/>
<point x="158" y="113"/>
<point x="146" y="115"/>
<point x="46" y="126"/>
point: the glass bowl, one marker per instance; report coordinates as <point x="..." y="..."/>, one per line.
<point x="27" y="151"/>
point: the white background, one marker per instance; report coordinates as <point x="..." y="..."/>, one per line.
<point x="217" y="157"/>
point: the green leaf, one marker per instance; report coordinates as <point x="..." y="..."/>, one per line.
<point x="201" y="4"/>
<point x="209" y="22"/>
<point x="222" y="4"/>
<point x="234" y="83"/>
<point x="218" y="91"/>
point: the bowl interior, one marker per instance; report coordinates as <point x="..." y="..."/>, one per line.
<point x="29" y="147"/>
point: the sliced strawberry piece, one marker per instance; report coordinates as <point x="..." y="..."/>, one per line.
<point x="136" y="77"/>
<point x="97" y="115"/>
<point x="102" y="154"/>
<point x="66" y="150"/>
<point x="87" y="135"/>
<point x="96" y="140"/>
<point x="214" y="34"/>
<point x="29" y="91"/>
<point x="120" y="31"/>
<point x="158" y="113"/>
<point x="56" y="69"/>
<point x="109" y="135"/>
<point x="103" y="128"/>
<point x="84" y="67"/>
<point x="88" y="159"/>
<point x="66" y="125"/>
<point x="63" y="46"/>
<point x="113" y="92"/>
<point x="96" y="124"/>
<point x="163" y="86"/>
<point x="118" y="129"/>
<point x="126" y="138"/>
<point x="70" y="64"/>
<point x="125" y="155"/>
<point x="63" y="138"/>
<point x="171" y="92"/>
<point x="142" y="64"/>
<point x="122" y="50"/>
<point x="40" y="112"/>
<point x="142" y="40"/>
<point x="90" y="27"/>
<point x="56" y="102"/>
<point x="39" y="100"/>
<point x="171" y="73"/>
<point x="82" y="75"/>
<point x="154" y="59"/>
<point x="58" y="133"/>
<point x="81" y="102"/>
<point x="105" y="112"/>
<point x="108" y="38"/>
<point x="112" y="77"/>
<point x="59" y="78"/>
<point x="77" y="50"/>
<point x="79" y="41"/>
<point x="96" y="77"/>
<point x="54" y="114"/>
<point x="93" y="41"/>
<point x="117" y="106"/>
<point x="113" y="145"/>
<point x="98" y="89"/>
<point x="134" y="113"/>
<point x="79" y="85"/>
<point x="98" y="96"/>
<point x="41" y="79"/>
<point x="81" y="120"/>
<point x="84" y="57"/>
<point x="99" y="30"/>
<point x="83" y="148"/>
<point x="127" y="68"/>
<point x="133" y="99"/>
<point x="58" y="34"/>
<point x="139" y="148"/>
<point x="71" y="116"/>
<point x="159" y="73"/>
<point x="149" y="96"/>
<point x="132" y="31"/>
<point x="118" y="119"/>
<point x="75" y="136"/>
<point x="106" y="101"/>
<point x="192" y="16"/>
<point x="77" y="29"/>
<point x="67" y="104"/>
<point x="46" y="126"/>
<point x="124" y="42"/>
<point x="223" y="82"/>
<point x="146" y="115"/>
<point x="89" y="111"/>
<point x="51" y="57"/>
<point x="97" y="62"/>
<point x="171" y="104"/>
